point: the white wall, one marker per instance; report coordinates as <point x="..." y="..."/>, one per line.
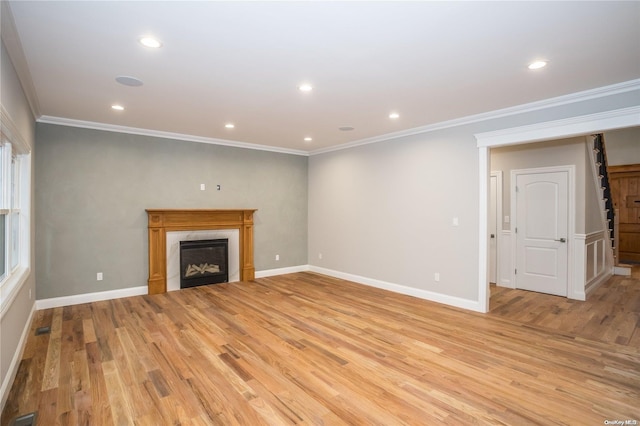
<point x="15" y="318"/>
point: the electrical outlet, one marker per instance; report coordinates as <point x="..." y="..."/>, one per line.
<point x="29" y="294"/>
<point x="99" y="276"/>
<point x="202" y="187"/>
<point x="277" y="257"/>
<point x="436" y="277"/>
<point x="319" y="255"/>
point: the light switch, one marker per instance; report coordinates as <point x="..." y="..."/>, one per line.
<point x="202" y="187"/>
<point x="456" y="222"/>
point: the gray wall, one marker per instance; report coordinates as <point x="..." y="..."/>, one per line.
<point x="384" y="211"/>
<point x="92" y="189"/>
<point x="15" y="318"/>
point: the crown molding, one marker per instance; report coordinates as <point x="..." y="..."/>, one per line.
<point x="565" y="128"/>
<point x="10" y="131"/>
<point x="618" y="122"/>
<point x="600" y="92"/>
<point x="166" y="135"/>
<point x="11" y="41"/>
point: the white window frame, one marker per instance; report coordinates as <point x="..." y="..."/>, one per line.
<point x="18" y="266"/>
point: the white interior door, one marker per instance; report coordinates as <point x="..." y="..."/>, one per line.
<point x="542" y="216"/>
<point x="493" y="229"/>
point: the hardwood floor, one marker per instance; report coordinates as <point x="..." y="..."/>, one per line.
<point x="309" y="349"/>
<point x="611" y="314"/>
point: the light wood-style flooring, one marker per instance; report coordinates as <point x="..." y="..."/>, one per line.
<point x="611" y="314"/>
<point x="308" y="349"/>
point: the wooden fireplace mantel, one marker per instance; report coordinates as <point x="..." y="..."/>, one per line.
<point x="162" y="221"/>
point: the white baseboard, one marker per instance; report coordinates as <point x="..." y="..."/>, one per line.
<point x="282" y="271"/>
<point x="472" y="305"/>
<point x="597" y="282"/>
<point x="15" y="361"/>
<point x="622" y="270"/>
<point x="77" y="299"/>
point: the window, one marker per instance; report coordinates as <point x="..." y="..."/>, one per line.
<point x="14" y="219"/>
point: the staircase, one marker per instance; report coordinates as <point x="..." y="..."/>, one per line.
<point x="601" y="168"/>
<point x="600" y="155"/>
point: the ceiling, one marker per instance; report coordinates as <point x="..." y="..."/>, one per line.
<point x="242" y="62"/>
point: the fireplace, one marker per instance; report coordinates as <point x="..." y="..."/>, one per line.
<point x="204" y="262"/>
<point x="165" y="222"/>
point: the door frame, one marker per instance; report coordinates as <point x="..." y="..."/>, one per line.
<point x="499" y="230"/>
<point x="571" y="219"/>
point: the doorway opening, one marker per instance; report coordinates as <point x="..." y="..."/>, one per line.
<point x="574" y="126"/>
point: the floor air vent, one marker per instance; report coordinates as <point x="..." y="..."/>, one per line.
<point x="26" y="420"/>
<point x="43" y="330"/>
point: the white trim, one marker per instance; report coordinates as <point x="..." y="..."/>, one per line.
<point x="601" y="279"/>
<point x="166" y="135"/>
<point x="574" y="126"/>
<point x="624" y="271"/>
<point x="505" y="259"/>
<point x="76" y="299"/>
<point x="580" y="267"/>
<point x="602" y="263"/>
<point x="627" y="86"/>
<point x="11" y="132"/>
<point x="483" y="221"/>
<point x="15" y="361"/>
<point x="397" y="288"/>
<point x="12" y="287"/>
<point x="16" y="280"/>
<point x="499" y="233"/>
<point x="281" y="271"/>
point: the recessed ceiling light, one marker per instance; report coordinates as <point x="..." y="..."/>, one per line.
<point x="129" y="81"/>
<point x="537" y="65"/>
<point x="345" y="128"/>
<point x="394" y="115"/>
<point x="230" y="125"/>
<point x="149" y="41"/>
<point x="308" y="139"/>
<point x="305" y="87"/>
<point x="117" y="107"/>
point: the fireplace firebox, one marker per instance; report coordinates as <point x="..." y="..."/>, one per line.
<point x="204" y="262"/>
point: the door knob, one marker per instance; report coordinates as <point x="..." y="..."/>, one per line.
<point x="562" y="240"/>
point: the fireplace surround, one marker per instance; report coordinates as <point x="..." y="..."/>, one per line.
<point x="162" y="221"/>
